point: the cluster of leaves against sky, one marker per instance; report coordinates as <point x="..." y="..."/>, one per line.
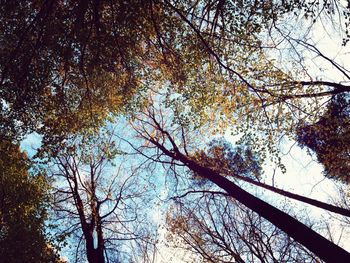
<point x="177" y="73"/>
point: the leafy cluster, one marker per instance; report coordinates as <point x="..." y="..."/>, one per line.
<point x="23" y="210"/>
<point x="329" y="138"/>
<point x="222" y="157"/>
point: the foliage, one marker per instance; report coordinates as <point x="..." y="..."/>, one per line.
<point x="243" y="84"/>
<point x="222" y="157"/>
<point x="69" y="67"/>
<point x="65" y="65"/>
<point x="23" y="210"/>
<point x="329" y="138"/>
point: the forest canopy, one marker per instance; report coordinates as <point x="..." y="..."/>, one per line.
<point x="177" y="107"/>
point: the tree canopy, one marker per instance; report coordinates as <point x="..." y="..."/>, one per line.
<point x="329" y="138"/>
<point x="199" y="94"/>
<point x="23" y="210"/>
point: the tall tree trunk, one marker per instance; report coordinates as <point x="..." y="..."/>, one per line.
<point x="94" y="255"/>
<point x="307" y="200"/>
<point x="313" y="241"/>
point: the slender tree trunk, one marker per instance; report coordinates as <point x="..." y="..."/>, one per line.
<point x="100" y="239"/>
<point x="313" y="241"/>
<point x="94" y="255"/>
<point x="307" y="200"/>
<point x="320" y="246"/>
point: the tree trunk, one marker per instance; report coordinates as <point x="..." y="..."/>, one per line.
<point x="94" y="255"/>
<point x="313" y="241"/>
<point x="307" y="200"/>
